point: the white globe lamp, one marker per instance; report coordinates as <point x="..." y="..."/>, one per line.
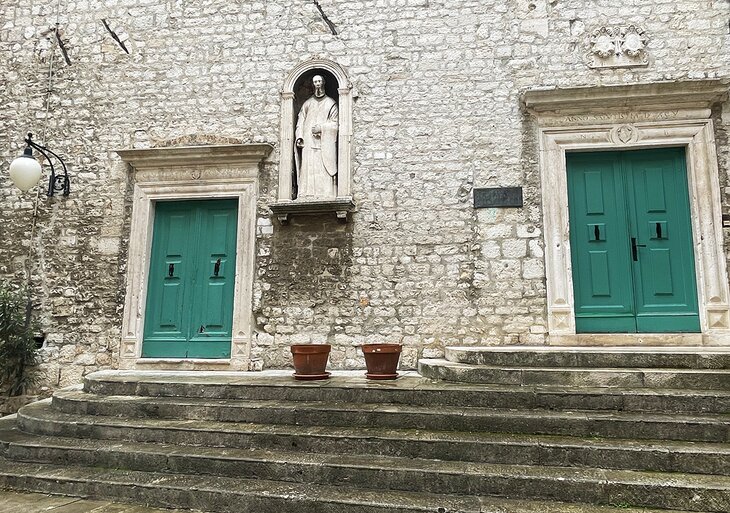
<point x="25" y="171"/>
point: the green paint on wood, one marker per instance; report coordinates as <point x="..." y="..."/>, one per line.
<point x="189" y="310"/>
<point x="616" y="198"/>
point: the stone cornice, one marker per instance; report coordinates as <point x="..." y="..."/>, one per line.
<point x="195" y="155"/>
<point x="691" y="94"/>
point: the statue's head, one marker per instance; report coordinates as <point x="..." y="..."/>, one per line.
<point x="318" y="83"/>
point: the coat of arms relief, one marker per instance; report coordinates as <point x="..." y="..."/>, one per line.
<point x="618" y="47"/>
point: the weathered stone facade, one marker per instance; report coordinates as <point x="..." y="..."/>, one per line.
<point x="437" y="110"/>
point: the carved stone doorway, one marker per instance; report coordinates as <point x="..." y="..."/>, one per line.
<point x="191" y="173"/>
<point x="633" y="117"/>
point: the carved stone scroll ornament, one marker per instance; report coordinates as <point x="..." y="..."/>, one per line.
<point x="618" y="47"/>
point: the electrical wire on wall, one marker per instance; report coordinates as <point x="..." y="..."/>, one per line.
<point x="34" y="219"/>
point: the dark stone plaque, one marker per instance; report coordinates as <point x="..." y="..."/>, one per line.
<point x="491" y="197"/>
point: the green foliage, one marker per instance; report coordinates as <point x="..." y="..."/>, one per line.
<point x="18" y="353"/>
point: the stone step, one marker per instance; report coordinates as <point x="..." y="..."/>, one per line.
<point x="29" y="502"/>
<point x="596" y="486"/>
<point x="695" y="379"/>
<point x="593" y="357"/>
<point x="38" y="418"/>
<point x="410" y="389"/>
<point x="565" y="451"/>
<point x="234" y="495"/>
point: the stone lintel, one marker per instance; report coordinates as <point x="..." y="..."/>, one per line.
<point x="694" y="94"/>
<point x="206" y="155"/>
<point x="282" y="209"/>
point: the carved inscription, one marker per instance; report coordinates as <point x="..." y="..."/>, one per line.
<point x="608" y="118"/>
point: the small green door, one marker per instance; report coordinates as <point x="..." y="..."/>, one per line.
<point x="631" y="242"/>
<point x="189" y="310"/>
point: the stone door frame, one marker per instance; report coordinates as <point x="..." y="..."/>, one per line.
<point x="189" y="173"/>
<point x="625" y="118"/>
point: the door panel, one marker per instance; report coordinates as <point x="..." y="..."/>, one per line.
<point x="664" y="272"/>
<point x="603" y="297"/>
<point x="215" y="284"/>
<point x="639" y="278"/>
<point x="168" y="282"/>
<point x="190" y="293"/>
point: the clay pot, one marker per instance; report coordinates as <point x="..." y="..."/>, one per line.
<point x="381" y="360"/>
<point x="310" y="361"/>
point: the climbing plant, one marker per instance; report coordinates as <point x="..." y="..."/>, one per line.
<point x="18" y="352"/>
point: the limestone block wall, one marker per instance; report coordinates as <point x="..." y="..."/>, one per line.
<point x="437" y="112"/>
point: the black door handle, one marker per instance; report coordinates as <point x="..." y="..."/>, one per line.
<point x="171" y="270"/>
<point x="659" y="230"/>
<point x="635" y="250"/>
<point x="217" y="267"/>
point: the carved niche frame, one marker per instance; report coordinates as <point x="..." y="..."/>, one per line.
<point x="191" y="173"/>
<point x="343" y="203"/>
<point x="656" y="115"/>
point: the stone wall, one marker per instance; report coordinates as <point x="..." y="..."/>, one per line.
<point x="437" y="112"/>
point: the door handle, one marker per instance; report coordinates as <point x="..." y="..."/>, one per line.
<point x="171" y="270"/>
<point x="635" y="250"/>
<point x="659" y="230"/>
<point x="217" y="267"/>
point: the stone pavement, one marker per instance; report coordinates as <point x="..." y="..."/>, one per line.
<point x="15" y="502"/>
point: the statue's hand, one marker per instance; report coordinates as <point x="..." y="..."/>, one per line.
<point x="316" y="130"/>
<point x="300" y="143"/>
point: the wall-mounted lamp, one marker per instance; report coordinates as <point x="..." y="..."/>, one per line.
<point x="25" y="171"/>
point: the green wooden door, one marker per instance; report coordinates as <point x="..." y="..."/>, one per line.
<point x="631" y="242"/>
<point x="189" y="310"/>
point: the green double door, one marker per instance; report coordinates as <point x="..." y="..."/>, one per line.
<point x="631" y="242"/>
<point x="189" y="310"/>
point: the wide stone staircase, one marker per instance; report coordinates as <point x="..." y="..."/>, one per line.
<point x="500" y="430"/>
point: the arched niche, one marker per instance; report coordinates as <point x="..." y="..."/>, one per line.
<point x="295" y="91"/>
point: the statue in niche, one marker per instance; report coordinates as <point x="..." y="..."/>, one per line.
<point x="315" y="147"/>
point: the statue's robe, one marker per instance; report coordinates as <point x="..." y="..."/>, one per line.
<point x="317" y="170"/>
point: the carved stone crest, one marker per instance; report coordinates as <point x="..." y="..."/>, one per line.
<point x="618" y="47"/>
<point x="624" y="134"/>
<point x="603" y="42"/>
<point x="634" y="41"/>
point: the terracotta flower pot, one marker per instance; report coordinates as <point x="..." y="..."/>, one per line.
<point x="381" y="360"/>
<point x="310" y="361"/>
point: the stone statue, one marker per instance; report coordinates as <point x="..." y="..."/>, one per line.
<point x="316" y="137"/>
